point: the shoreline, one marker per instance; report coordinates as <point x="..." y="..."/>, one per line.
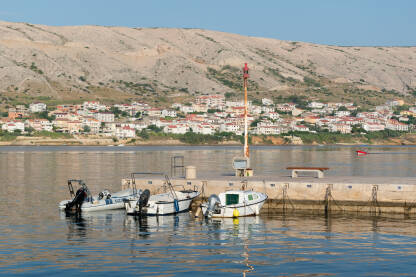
<point x="44" y="141"/>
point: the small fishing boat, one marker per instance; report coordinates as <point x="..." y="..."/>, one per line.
<point x="82" y="200"/>
<point x="170" y="202"/>
<point x="234" y="203"/>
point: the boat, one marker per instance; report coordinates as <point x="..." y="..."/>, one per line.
<point x="82" y="200"/>
<point x="361" y="153"/>
<point x="234" y="203"/>
<point x="171" y="201"/>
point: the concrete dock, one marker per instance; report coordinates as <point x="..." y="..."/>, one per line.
<point x="349" y="193"/>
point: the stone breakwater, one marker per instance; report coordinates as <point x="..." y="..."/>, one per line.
<point x="375" y="195"/>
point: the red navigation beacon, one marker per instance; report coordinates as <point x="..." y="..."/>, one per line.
<point x="245" y="71"/>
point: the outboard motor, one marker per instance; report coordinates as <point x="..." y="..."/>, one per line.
<point x="143" y="199"/>
<point x="80" y="196"/>
<point x="213" y="202"/>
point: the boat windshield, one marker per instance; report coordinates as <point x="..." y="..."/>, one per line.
<point x="231" y="199"/>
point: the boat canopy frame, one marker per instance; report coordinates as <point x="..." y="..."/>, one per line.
<point x="167" y="186"/>
<point x="80" y="183"/>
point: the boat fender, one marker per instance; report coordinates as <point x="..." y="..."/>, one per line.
<point x="176" y="204"/>
<point x="236" y="213"/>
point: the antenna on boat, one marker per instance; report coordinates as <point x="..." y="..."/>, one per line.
<point x="242" y="164"/>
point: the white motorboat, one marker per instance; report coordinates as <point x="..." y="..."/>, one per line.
<point x="170" y="202"/>
<point x="83" y="201"/>
<point x="234" y="203"/>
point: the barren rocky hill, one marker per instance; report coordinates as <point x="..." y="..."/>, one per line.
<point x="84" y="62"/>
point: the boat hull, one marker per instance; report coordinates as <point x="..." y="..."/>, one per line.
<point x="114" y="203"/>
<point x="157" y="207"/>
<point x="234" y="203"/>
<point x="229" y="211"/>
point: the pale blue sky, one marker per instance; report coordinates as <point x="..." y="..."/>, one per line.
<point x="347" y="22"/>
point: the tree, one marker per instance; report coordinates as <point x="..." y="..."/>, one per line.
<point x="154" y="128"/>
<point x="143" y="134"/>
<point x="45" y="115"/>
<point x="30" y="130"/>
<point x="116" y="111"/>
<point x="86" y="129"/>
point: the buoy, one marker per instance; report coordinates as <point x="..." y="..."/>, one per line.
<point x="198" y="212"/>
<point x="236" y="213"/>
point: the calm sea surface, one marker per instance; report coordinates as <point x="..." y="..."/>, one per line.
<point x="36" y="239"/>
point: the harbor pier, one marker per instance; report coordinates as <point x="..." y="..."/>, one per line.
<point x="376" y="195"/>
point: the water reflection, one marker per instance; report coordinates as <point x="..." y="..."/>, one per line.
<point x="37" y="239"/>
<point x="238" y="231"/>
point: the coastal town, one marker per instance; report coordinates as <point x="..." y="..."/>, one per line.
<point x="206" y="115"/>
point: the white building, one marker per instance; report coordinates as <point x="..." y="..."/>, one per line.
<point x="395" y="125"/>
<point x="316" y="105"/>
<point x="93" y="124"/>
<point x="231" y="127"/>
<point x="168" y="113"/>
<point x="301" y="128"/>
<point x="39" y="124"/>
<point x="154" y="112"/>
<point x="140" y="126"/>
<point x="342" y="128"/>
<point x="210" y="100"/>
<point x="267" y="109"/>
<point x="273" y="115"/>
<point x="204" y="128"/>
<point x="13" y="126"/>
<point x="342" y="113"/>
<point x="187" y="109"/>
<point x="104" y="117"/>
<point x="373" y="127"/>
<point x="287" y="107"/>
<point x="37" y="107"/>
<point x="176" y="129"/>
<point x="125" y="132"/>
<point x="266" y="101"/>
<point x="267" y="130"/>
<point x="255" y="110"/>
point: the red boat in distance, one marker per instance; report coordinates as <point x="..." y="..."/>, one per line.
<point x="361" y="153"/>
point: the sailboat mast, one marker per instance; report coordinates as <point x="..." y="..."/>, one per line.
<point x="245" y="77"/>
